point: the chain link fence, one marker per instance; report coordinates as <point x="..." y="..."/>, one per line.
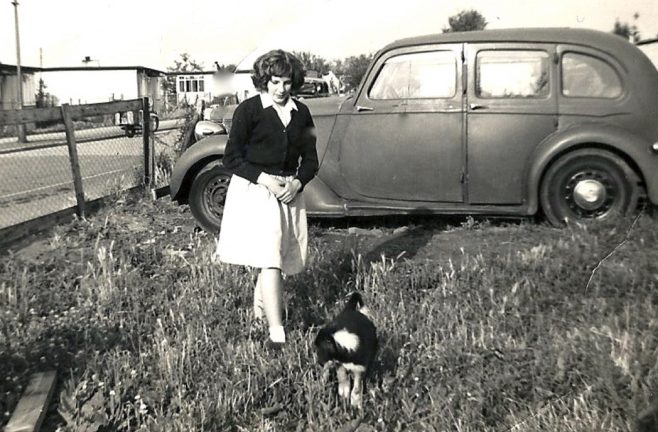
<point x="61" y="159"/>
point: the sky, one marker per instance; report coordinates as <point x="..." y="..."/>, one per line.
<point x="154" y="33"/>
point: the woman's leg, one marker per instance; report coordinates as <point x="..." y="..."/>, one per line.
<point x="271" y="285"/>
<point x="258" y="300"/>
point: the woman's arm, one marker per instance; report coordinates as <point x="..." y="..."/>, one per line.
<point x="309" y="155"/>
<point x="236" y="147"/>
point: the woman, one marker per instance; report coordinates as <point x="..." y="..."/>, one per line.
<point x="271" y="152"/>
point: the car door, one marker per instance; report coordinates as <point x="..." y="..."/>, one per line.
<point x="511" y="108"/>
<point x="403" y="140"/>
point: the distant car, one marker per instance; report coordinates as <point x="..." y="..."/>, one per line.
<point x="131" y="128"/>
<point x="313" y="87"/>
<point x="499" y="122"/>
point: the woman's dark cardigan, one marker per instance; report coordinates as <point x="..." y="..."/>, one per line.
<point x="259" y="142"/>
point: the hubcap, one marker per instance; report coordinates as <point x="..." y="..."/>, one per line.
<point x="590" y="193"/>
<point x="215" y="195"/>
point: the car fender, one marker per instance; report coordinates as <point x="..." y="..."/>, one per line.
<point x="634" y="149"/>
<point x="191" y="162"/>
<point x="322" y="201"/>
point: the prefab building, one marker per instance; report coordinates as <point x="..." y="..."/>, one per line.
<point x="83" y="85"/>
<point x="9" y="88"/>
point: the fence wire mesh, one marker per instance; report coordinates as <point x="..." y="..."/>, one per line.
<point x="110" y="160"/>
<point x="36" y="174"/>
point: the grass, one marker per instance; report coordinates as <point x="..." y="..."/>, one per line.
<point x="483" y="327"/>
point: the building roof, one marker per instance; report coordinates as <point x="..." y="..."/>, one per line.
<point x="7" y="68"/>
<point x="148" y="71"/>
<point x="647" y="41"/>
<point x="176" y="73"/>
<point x="30" y="69"/>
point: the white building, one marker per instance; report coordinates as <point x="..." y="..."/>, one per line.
<point x="9" y="88"/>
<point x="83" y="85"/>
<point x="194" y="87"/>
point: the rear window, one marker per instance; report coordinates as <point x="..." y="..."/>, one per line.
<point x="417" y="76"/>
<point x="512" y="74"/>
<point x="587" y="76"/>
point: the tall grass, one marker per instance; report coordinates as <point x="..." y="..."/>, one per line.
<point x="147" y="332"/>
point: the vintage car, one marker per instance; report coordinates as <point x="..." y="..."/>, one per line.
<point x="313" y="87"/>
<point x="499" y="122"/>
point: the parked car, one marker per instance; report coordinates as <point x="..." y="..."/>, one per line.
<point x="131" y="128"/>
<point x="313" y="87"/>
<point x="212" y="121"/>
<point x="499" y="122"/>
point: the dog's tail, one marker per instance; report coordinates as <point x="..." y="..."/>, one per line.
<point x="354" y="301"/>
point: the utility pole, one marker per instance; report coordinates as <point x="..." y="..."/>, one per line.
<point x="19" y="76"/>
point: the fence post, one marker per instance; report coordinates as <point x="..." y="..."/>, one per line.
<point x="146" y="134"/>
<point x="73" y="157"/>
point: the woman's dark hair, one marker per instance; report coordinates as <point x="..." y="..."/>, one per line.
<point x="277" y="63"/>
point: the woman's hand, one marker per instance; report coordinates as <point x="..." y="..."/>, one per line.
<point x="290" y="191"/>
<point x="274" y="185"/>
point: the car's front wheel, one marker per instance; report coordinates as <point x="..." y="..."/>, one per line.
<point x="588" y="184"/>
<point x="207" y="197"/>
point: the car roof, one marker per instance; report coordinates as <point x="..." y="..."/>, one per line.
<point x="593" y="38"/>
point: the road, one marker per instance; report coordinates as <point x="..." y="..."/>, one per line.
<point x="83" y="135"/>
<point x="38" y="181"/>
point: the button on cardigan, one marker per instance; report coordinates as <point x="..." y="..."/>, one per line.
<point x="259" y="142"/>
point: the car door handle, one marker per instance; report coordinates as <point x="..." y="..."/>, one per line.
<point x="477" y="106"/>
<point x="360" y="108"/>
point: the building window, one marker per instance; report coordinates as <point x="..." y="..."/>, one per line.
<point x="191" y="84"/>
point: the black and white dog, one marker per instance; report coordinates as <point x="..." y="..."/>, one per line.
<point x="350" y="343"/>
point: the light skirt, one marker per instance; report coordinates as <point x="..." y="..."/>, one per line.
<point x="260" y="231"/>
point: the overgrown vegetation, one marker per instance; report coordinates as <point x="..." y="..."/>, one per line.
<point x="483" y="327"/>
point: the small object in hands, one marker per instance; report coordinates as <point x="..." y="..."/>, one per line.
<point x="350" y="343"/>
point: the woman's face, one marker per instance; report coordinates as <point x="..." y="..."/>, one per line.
<point x="279" y="88"/>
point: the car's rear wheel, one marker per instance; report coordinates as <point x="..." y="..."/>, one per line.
<point x="207" y="197"/>
<point x="588" y="185"/>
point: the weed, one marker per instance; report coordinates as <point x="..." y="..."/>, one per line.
<point x="520" y="334"/>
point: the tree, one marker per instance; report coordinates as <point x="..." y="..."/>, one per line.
<point x="353" y="69"/>
<point x="628" y="32"/>
<point x="184" y="64"/>
<point x="466" y="20"/>
<point x="43" y="99"/>
<point x="312" y="62"/>
<point x="222" y="68"/>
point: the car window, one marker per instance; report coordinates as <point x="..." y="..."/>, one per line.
<point x="587" y="76"/>
<point x="512" y="74"/>
<point x="417" y="76"/>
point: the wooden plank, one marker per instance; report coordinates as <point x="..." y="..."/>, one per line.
<point x="146" y="135"/>
<point x="160" y="192"/>
<point x="29" y="115"/>
<point x="32" y="406"/>
<point x="89" y="110"/>
<point x="73" y="157"/>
